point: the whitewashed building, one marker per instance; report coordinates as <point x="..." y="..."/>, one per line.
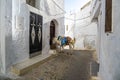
<point x="107" y="15"/>
<point x="27" y="28"/>
<point x="79" y="25"/>
<point x="69" y="24"/>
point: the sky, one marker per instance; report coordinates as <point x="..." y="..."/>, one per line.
<point x="74" y="5"/>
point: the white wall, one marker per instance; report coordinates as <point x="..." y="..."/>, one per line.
<point x="80" y="27"/>
<point x="69" y="21"/>
<point x="21" y="37"/>
<point x="85" y="31"/>
<point x="6" y="33"/>
<point x="15" y="39"/>
<point x="0" y="38"/>
<point x="110" y="44"/>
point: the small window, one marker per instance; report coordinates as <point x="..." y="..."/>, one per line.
<point x="31" y="2"/>
<point x="66" y="27"/>
<point x="108" y="18"/>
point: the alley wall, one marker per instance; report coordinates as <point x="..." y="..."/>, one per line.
<point x="69" y="24"/>
<point x="80" y="26"/>
<point x="15" y="28"/>
<point x="85" y="30"/>
<point x="5" y="33"/>
<point x="109" y="50"/>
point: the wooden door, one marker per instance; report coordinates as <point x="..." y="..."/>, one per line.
<point x="52" y="34"/>
<point x="35" y="33"/>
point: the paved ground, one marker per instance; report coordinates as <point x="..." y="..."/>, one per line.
<point x="63" y="67"/>
<point x="2" y="77"/>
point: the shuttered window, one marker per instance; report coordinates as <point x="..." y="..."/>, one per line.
<point x="108" y="18"/>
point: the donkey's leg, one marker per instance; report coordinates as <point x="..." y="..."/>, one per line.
<point x="63" y="47"/>
<point x="70" y="47"/>
<point x="60" y="49"/>
<point x="73" y="45"/>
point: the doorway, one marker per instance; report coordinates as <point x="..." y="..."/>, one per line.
<point x="52" y="34"/>
<point x="35" y="37"/>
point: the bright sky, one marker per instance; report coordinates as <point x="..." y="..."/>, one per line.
<point x="74" y="5"/>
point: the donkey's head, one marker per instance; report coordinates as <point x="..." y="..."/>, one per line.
<point x="56" y="41"/>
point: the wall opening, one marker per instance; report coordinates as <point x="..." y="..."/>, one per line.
<point x="31" y="2"/>
<point x="35" y="37"/>
<point x="34" y="3"/>
<point x="108" y="17"/>
<point x="53" y="33"/>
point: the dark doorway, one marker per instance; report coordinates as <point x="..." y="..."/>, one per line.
<point x="35" y="33"/>
<point x="52" y="35"/>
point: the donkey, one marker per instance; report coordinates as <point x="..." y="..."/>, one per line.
<point x="64" y="41"/>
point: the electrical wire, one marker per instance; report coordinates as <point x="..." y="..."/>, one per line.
<point x="69" y="18"/>
<point x="77" y="19"/>
<point x="82" y="18"/>
<point x="85" y="26"/>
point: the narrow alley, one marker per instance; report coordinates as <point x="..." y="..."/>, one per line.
<point x="59" y="39"/>
<point x="63" y="66"/>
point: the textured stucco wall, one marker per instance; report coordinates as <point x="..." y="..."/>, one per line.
<point x="15" y="39"/>
<point x="85" y="31"/>
<point x="69" y="24"/>
<point x="80" y="27"/>
<point x="6" y="36"/>
<point x="90" y="42"/>
<point x="109" y="49"/>
<point x="21" y="36"/>
<point x="0" y="39"/>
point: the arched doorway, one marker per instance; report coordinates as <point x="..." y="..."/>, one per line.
<point x="52" y="34"/>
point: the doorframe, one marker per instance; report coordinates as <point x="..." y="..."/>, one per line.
<point x="56" y="28"/>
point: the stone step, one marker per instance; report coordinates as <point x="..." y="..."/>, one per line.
<point x="52" y="51"/>
<point x="24" y="67"/>
<point x="95" y="78"/>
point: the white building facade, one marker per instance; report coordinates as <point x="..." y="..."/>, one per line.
<point x="79" y="25"/>
<point x="26" y="23"/>
<point x="69" y="24"/>
<point x="106" y="14"/>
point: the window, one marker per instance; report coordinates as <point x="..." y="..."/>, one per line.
<point x="31" y="2"/>
<point x="108" y="18"/>
<point x="66" y="27"/>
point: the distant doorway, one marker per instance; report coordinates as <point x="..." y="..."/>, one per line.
<point x="52" y="34"/>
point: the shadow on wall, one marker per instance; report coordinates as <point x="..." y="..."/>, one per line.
<point x="94" y="68"/>
<point x="89" y="42"/>
<point x="47" y="7"/>
<point x="0" y="63"/>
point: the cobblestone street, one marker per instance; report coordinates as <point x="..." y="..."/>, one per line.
<point x="63" y="67"/>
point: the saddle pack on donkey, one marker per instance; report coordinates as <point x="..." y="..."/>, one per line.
<point x="64" y="40"/>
